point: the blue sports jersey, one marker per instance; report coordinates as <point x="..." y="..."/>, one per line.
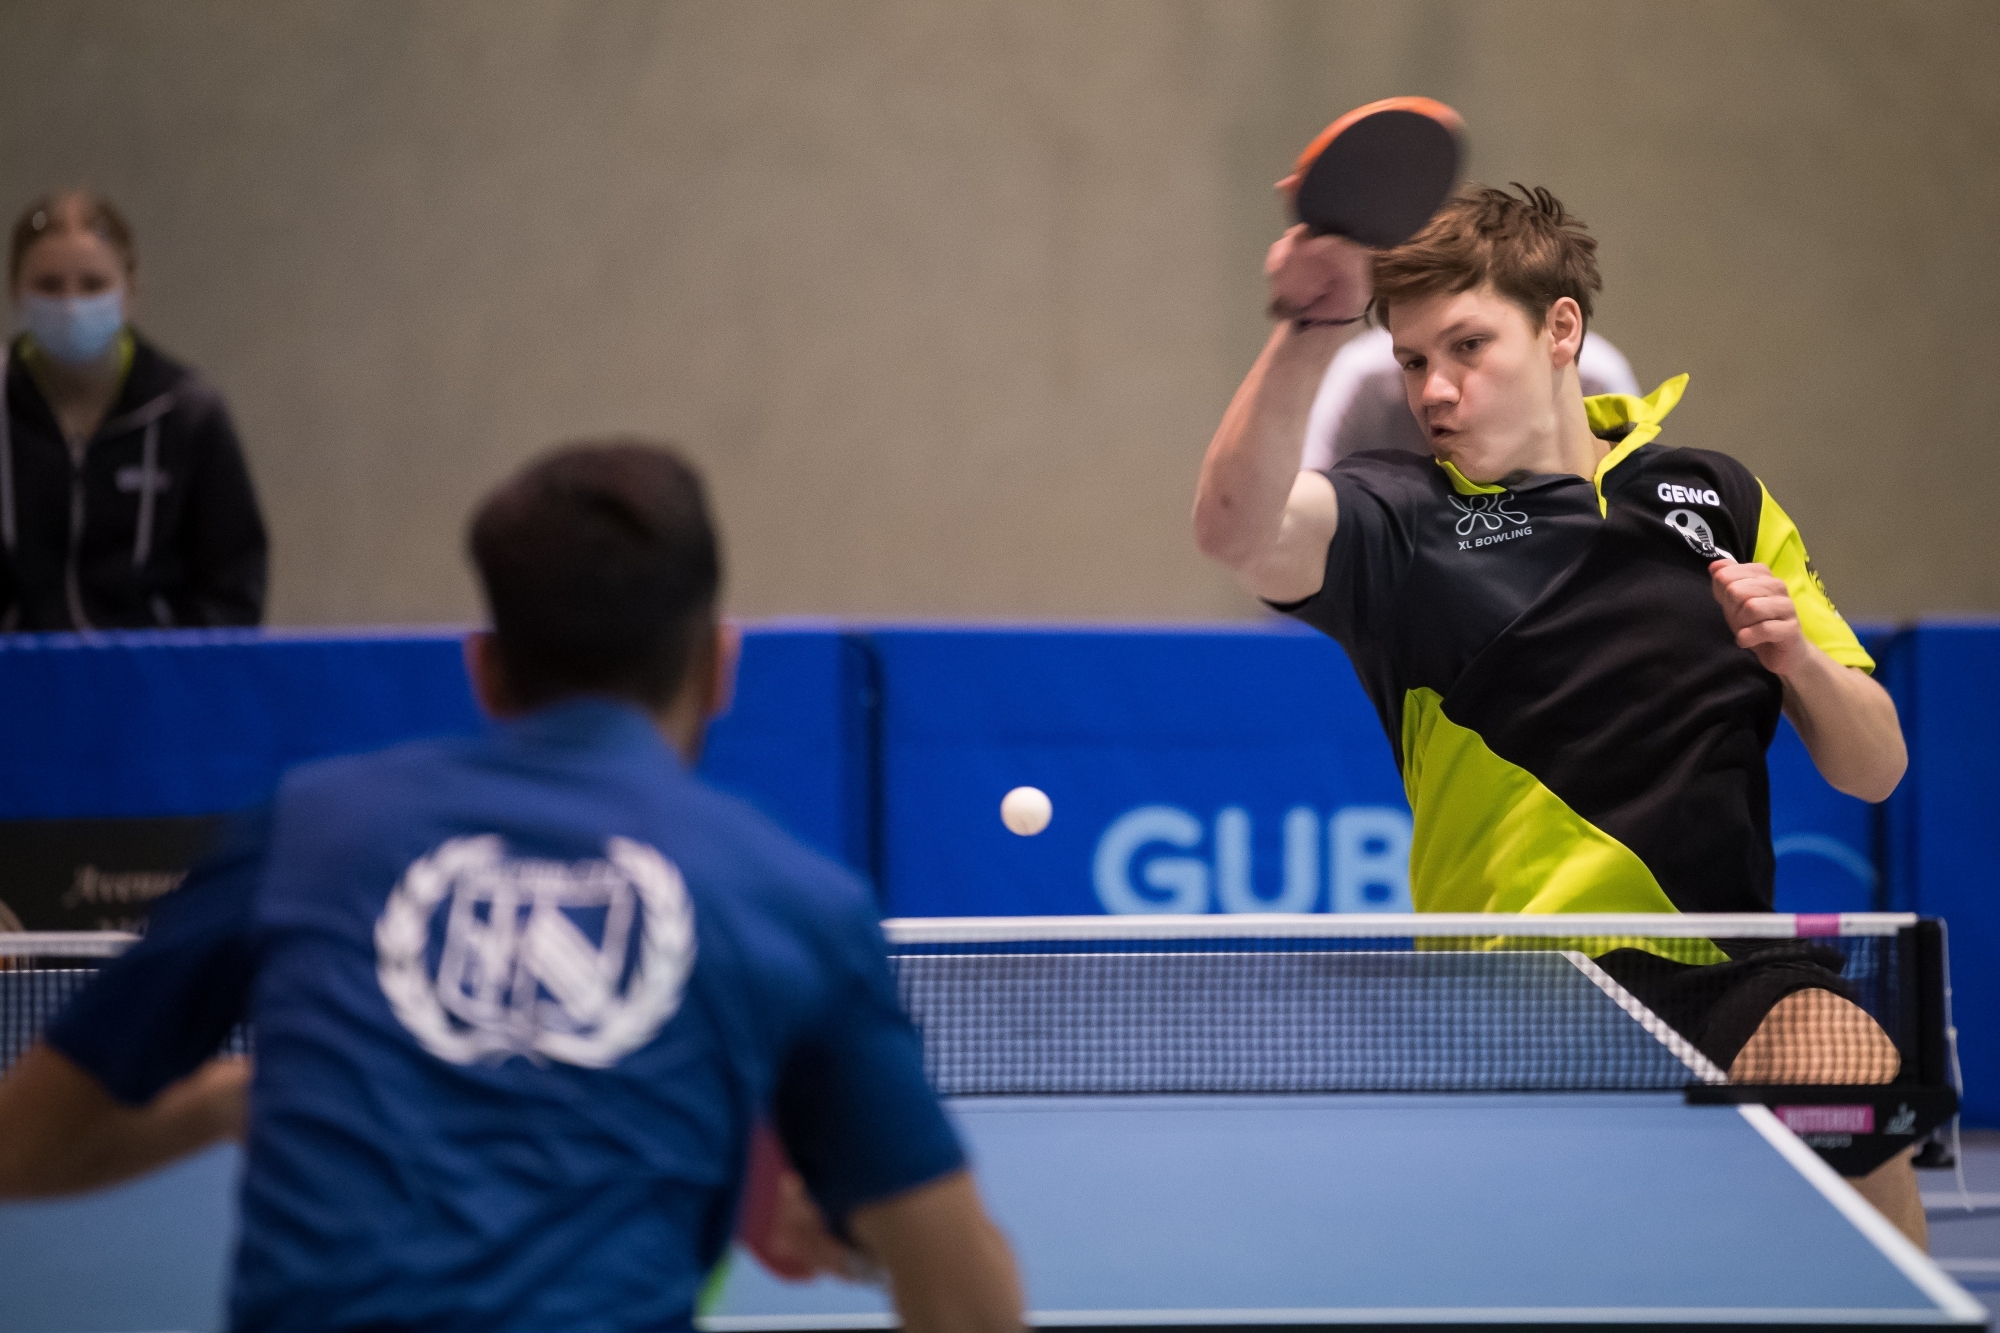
<point x="518" y="1002"/>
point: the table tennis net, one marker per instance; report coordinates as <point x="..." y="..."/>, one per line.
<point x="1328" y="1004"/>
<point x="42" y="972"/>
<point x="1403" y="1004"/>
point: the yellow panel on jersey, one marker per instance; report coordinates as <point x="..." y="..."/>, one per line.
<point x="1489" y="837"/>
<point x="1781" y="549"/>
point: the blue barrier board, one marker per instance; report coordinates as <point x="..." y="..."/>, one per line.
<point x="1237" y="769"/>
<point x="795" y="741"/>
<point x="193" y="722"/>
<point x="146" y="725"/>
<point x="1942" y="822"/>
<point x="1225" y="769"/>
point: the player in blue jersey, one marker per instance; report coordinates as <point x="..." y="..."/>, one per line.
<point x="520" y="1000"/>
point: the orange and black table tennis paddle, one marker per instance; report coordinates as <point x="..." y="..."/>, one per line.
<point x="1381" y="171"/>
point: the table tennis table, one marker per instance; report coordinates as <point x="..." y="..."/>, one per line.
<point x="1577" y="1209"/>
<point x="1229" y="1212"/>
<point x="1249" y="1209"/>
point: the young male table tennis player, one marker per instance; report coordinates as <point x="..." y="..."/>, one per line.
<point x="519" y="999"/>
<point x="1578" y="639"/>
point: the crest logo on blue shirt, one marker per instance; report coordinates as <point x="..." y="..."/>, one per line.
<point x="483" y="955"/>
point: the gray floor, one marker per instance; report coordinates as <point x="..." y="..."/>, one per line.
<point x="1966" y="1243"/>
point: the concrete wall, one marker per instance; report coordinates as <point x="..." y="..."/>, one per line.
<point x="947" y="296"/>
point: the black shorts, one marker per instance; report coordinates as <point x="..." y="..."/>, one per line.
<point x="1717" y="1007"/>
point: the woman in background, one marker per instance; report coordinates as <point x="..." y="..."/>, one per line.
<point x="124" y="499"/>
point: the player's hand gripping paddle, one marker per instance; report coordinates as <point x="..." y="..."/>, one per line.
<point x="1381" y="171"/>
<point x="780" y="1224"/>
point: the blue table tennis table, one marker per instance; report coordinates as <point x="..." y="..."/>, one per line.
<point x="1578" y="1209"/>
<point x="1180" y="1212"/>
<point x="1403" y="1208"/>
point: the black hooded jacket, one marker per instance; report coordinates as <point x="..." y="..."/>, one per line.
<point x="156" y="526"/>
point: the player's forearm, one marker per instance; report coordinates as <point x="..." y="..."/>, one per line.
<point x="1247" y="476"/>
<point x="61" y="1132"/>
<point x="983" y="1294"/>
<point x="1849" y="726"/>
<point x="950" y="1269"/>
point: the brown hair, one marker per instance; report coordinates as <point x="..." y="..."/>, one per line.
<point x="67" y="210"/>
<point x="601" y="568"/>
<point x="1529" y="247"/>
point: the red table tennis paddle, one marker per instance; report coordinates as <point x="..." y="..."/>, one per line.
<point x="779" y="1223"/>
<point x="758" y="1221"/>
<point x="1381" y="171"/>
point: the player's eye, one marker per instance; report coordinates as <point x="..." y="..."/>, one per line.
<point x="1413" y="365"/>
<point x="1471" y="345"/>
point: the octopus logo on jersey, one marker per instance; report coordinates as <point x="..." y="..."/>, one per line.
<point x="1694" y="529"/>
<point x="1485" y="511"/>
<point x="483" y="955"/>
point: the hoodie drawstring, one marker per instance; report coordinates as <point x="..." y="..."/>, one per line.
<point x="7" y="535"/>
<point x="142" y="545"/>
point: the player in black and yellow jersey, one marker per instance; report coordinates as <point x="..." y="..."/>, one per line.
<point x="1579" y="639"/>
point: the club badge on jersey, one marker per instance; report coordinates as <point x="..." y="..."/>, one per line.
<point x="1694" y="530"/>
<point x="484" y="955"/>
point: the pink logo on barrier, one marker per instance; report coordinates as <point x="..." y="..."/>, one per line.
<point x="1827" y="1119"/>
<point x="1810" y="924"/>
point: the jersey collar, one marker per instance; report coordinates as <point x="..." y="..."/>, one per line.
<point x="590" y="722"/>
<point x="1631" y="421"/>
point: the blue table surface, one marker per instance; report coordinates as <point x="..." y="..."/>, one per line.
<point x="1394" y="1207"/>
<point x="1180" y="1209"/>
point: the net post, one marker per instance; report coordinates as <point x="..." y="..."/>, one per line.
<point x="1931" y="1002"/>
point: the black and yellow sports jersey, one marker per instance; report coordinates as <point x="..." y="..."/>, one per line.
<point x="1576" y="727"/>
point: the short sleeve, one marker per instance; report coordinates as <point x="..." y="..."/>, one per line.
<point x="169" y="1002"/>
<point x="1370" y="551"/>
<point x="853" y="1108"/>
<point x="1781" y="549"/>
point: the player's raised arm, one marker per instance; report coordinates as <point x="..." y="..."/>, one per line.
<point x="1254" y="511"/>
<point x="949" y="1268"/>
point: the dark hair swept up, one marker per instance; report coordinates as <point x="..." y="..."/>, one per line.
<point x="1532" y="249"/>
<point x="601" y="570"/>
<point x="66" y="210"/>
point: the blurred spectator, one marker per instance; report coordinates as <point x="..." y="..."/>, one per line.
<point x="124" y="499"/>
<point x="1361" y="403"/>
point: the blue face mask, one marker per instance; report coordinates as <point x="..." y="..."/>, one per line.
<point x="76" y="329"/>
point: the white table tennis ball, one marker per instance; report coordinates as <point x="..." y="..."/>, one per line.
<point x="1026" y="810"/>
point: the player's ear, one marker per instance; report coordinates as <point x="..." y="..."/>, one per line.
<point x="488" y="674"/>
<point x="1565" y="325"/>
<point x="727" y="652"/>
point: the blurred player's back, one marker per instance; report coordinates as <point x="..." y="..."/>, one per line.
<point x="516" y="998"/>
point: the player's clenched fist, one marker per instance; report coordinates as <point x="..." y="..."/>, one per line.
<point x="1318" y="277"/>
<point x="1758" y="606"/>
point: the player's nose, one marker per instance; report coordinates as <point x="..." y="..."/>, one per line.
<point x="1439" y="391"/>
